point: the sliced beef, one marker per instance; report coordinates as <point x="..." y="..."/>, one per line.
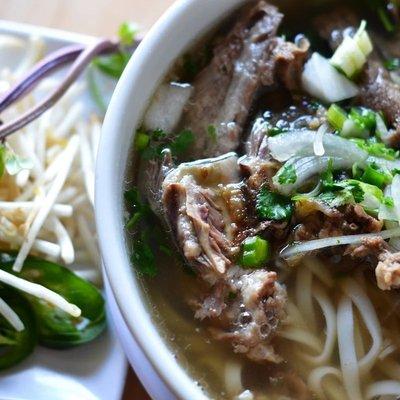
<point x="336" y="24"/>
<point x="249" y="58"/>
<point x="380" y="93"/>
<point x="203" y="206"/>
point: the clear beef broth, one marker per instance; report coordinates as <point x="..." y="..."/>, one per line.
<point x="326" y="292"/>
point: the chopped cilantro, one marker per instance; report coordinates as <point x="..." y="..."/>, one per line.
<point x="287" y="174"/>
<point x="143" y="257"/>
<point x="182" y="142"/>
<point x="148" y="236"/>
<point x="393" y="64"/>
<point x="388" y="202"/>
<point x="114" y="64"/>
<point x="378" y="149"/>
<point x="273" y="206"/>
<point x="327" y="176"/>
<point x="160" y="140"/>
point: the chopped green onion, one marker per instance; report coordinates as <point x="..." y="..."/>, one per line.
<point x="142" y="140"/>
<point x="376" y="177"/>
<point x="336" y="116"/>
<point x="385" y="19"/>
<point x="356" y="171"/>
<point x="364" y="117"/>
<point x="353" y="129"/>
<point x="256" y="251"/>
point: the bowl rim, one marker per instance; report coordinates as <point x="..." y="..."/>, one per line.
<point x="112" y="163"/>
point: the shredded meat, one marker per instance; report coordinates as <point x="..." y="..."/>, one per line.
<point x="369" y="247"/>
<point x="224" y="91"/>
<point x="318" y="223"/>
<point x="197" y="206"/>
<point x="289" y="60"/>
<point x="252" y="317"/>
<point x="388" y="271"/>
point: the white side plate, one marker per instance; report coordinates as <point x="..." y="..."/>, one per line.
<point x="95" y="371"/>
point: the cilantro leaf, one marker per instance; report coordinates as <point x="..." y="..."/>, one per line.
<point x="378" y="149"/>
<point x="273" y="206"/>
<point x="143" y="257"/>
<point x="182" y="142"/>
<point x="127" y="33"/>
<point x="112" y="64"/>
<point x="287" y="174"/>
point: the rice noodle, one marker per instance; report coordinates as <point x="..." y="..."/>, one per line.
<point x="330" y="319"/>
<point x="382" y="388"/>
<point x="304" y="337"/>
<point x="11" y="316"/>
<point x="347" y="352"/>
<point x="366" y="309"/>
<point x="233" y="378"/>
<point x="322" y="273"/>
<point x="318" y="244"/>
<point x="304" y="296"/>
<point x="316" y="378"/>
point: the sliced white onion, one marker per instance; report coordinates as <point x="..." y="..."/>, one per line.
<point x="395" y="192"/>
<point x="383" y="163"/>
<point x="318" y="244"/>
<point x="320" y="79"/>
<point x="167" y="105"/>
<point x="387" y="213"/>
<point x="306" y="168"/>
<point x="301" y="143"/>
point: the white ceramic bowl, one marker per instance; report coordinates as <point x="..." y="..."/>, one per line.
<point x="185" y="21"/>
